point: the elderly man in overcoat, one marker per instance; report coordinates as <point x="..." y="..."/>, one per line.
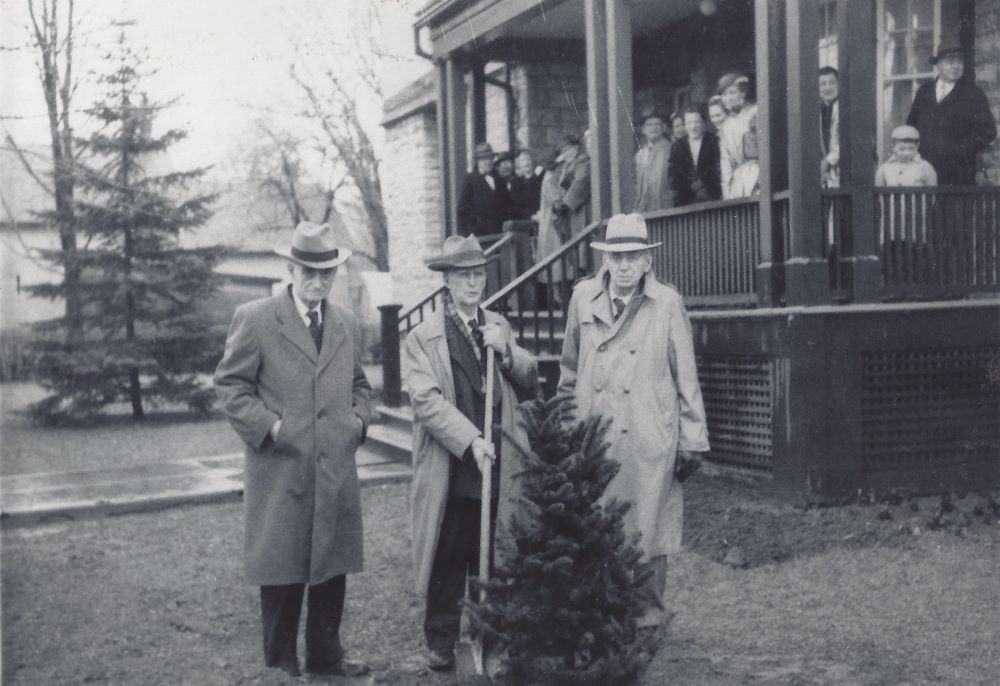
<point x="291" y="384"/>
<point x="628" y="356"/>
<point x="444" y="374"/>
<point x="953" y="117"/>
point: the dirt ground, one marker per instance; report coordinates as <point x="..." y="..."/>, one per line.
<point x="764" y="593"/>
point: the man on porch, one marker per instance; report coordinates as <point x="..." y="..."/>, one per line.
<point x="628" y="355"/>
<point x="953" y="117"/>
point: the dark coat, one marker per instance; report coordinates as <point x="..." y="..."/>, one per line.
<point x="695" y="183"/>
<point x="481" y="209"/>
<point x="301" y="496"/>
<point x="953" y="131"/>
<point x="527" y="196"/>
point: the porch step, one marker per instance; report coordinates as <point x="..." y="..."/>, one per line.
<point x="390" y="442"/>
<point x="400" y="418"/>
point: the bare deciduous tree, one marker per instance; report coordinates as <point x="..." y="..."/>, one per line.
<point x="52" y="36"/>
<point x="332" y="102"/>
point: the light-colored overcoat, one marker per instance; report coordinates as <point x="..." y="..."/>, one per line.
<point x="441" y="430"/>
<point x="301" y="495"/>
<point x="639" y="372"/>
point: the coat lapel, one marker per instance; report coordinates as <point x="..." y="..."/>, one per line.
<point x="334" y="335"/>
<point x="435" y="336"/>
<point x="292" y="327"/>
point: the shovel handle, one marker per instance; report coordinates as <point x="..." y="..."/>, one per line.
<point x="487" y="493"/>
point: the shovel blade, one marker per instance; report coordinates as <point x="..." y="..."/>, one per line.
<point x="469" y="667"/>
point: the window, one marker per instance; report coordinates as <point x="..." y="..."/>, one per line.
<point x="908" y="30"/>
<point x="828" y="33"/>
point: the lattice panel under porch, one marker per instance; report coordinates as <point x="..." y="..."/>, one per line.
<point x="739" y="396"/>
<point x="930" y="408"/>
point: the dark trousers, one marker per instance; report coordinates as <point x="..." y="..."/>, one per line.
<point x="457" y="556"/>
<point x="280" y="609"/>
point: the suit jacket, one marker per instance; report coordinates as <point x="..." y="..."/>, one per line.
<point x="526" y="196"/>
<point x="684" y="173"/>
<point x="953" y="131"/>
<point x="301" y="494"/>
<point x="482" y="210"/>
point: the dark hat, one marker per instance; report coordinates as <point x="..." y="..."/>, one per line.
<point x="460" y="253"/>
<point x="314" y="245"/>
<point x="569" y="139"/>
<point x="483" y="151"/>
<point x="504" y="157"/>
<point x="949" y="45"/>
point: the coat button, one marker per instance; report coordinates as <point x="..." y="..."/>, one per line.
<point x="602" y="348"/>
<point x="626" y="390"/>
<point x="631" y="351"/>
<point x="321" y="414"/>
<point x="624" y="431"/>
<point x="598" y="388"/>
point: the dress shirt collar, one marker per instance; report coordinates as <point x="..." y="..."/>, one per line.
<point x="303" y="309"/>
<point x="942" y="88"/>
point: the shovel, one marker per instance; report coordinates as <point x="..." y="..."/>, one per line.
<point x="470" y="662"/>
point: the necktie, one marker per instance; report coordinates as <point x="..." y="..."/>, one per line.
<point x="477" y="336"/>
<point x="619" y="307"/>
<point x="315" y="329"/>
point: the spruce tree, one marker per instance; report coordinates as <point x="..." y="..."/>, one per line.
<point x="146" y="337"/>
<point x="565" y="596"/>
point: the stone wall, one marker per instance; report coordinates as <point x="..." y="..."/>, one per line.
<point x="988" y="75"/>
<point x="411" y="189"/>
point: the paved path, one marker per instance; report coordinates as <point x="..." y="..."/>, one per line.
<point x="37" y="498"/>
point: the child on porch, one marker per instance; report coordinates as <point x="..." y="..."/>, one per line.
<point x="903" y="219"/>
<point x="905" y="167"/>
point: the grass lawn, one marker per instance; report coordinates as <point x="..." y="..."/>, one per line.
<point x="853" y="595"/>
<point x="115" y="441"/>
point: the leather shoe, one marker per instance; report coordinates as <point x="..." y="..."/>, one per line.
<point x="343" y="667"/>
<point x="290" y="668"/>
<point x="441" y="660"/>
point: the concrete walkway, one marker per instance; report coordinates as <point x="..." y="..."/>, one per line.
<point x="39" y="498"/>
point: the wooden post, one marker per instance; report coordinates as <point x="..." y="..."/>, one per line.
<point x="457" y="158"/>
<point x="478" y="103"/>
<point x="622" y="137"/>
<point x="806" y="272"/>
<point x="858" y="129"/>
<point x="597" y="119"/>
<point x="392" y="382"/>
<point x="442" y="132"/>
<point x="769" y="41"/>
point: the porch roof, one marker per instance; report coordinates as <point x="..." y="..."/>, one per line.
<point x="474" y="24"/>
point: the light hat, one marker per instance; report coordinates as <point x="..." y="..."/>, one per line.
<point x="906" y="134"/>
<point x="460" y="252"/>
<point x="625" y="233"/>
<point x="483" y="151"/>
<point x="314" y="245"/>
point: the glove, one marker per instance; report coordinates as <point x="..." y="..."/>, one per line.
<point x="685" y="465"/>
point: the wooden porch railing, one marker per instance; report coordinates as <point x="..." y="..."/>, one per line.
<point x="938" y="241"/>
<point x="838" y="241"/>
<point x="498" y="274"/>
<point x="710" y="251"/>
<point x="539" y="322"/>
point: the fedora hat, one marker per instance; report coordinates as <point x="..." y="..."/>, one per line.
<point x="625" y="233"/>
<point x="314" y="245"/>
<point x="460" y="252"/>
<point x="483" y="151"/>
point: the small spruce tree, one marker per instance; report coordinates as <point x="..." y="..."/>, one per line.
<point x="146" y="336"/>
<point x="564" y="598"/>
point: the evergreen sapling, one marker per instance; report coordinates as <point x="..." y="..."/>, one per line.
<point x="566" y="593"/>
